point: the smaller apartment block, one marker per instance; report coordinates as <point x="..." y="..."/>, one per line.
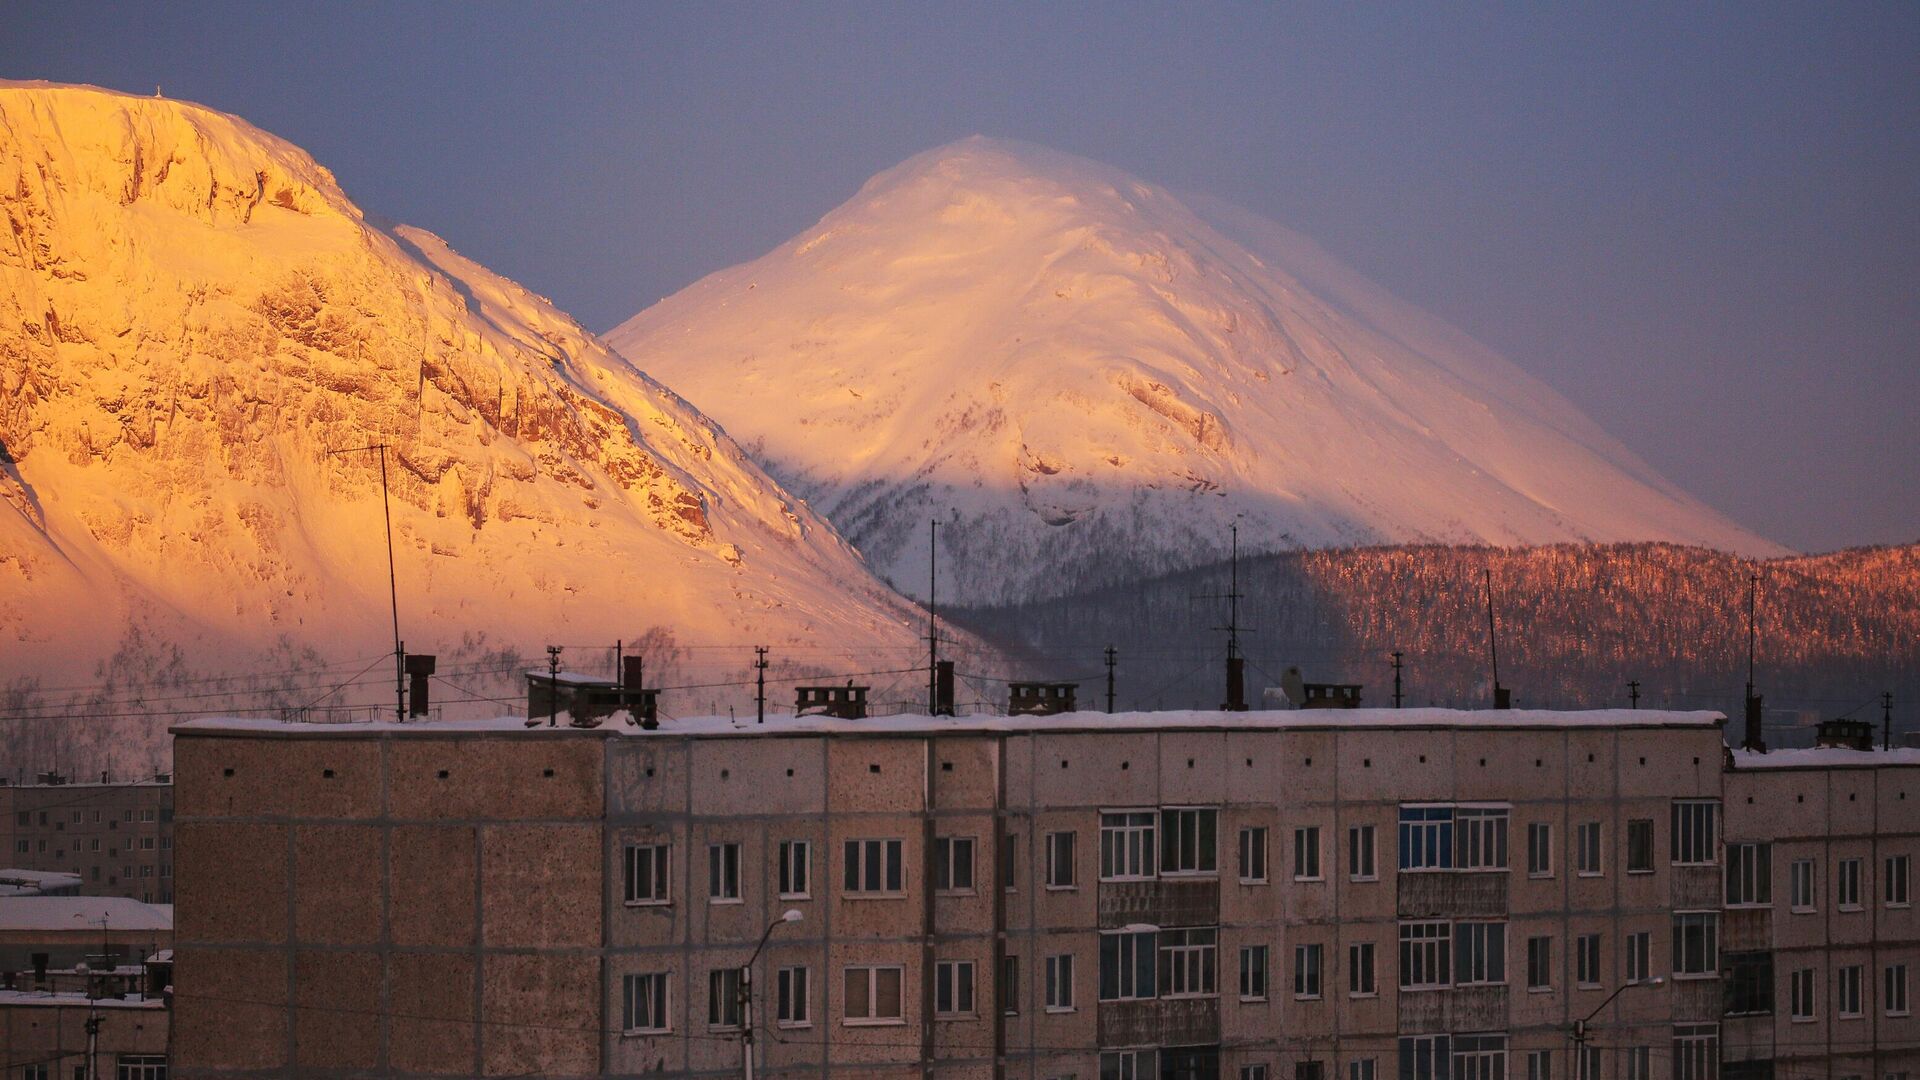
<point x="1427" y="894"/>
<point x="117" y="838"/>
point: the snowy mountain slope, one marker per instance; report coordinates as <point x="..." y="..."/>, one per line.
<point x="1088" y="381"/>
<point x="193" y="315"/>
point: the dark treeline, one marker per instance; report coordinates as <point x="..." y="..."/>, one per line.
<point x="1576" y="623"/>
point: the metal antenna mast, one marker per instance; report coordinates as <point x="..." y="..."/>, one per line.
<point x="393" y="587"/>
<point x="933" y="617"/>
<point x="1501" y="698"/>
<point x="1396" y="678"/>
<point x="1113" y="656"/>
<point x="760" y="681"/>
<point x="1633" y="693"/>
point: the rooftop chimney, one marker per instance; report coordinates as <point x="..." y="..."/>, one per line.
<point x="419" y="669"/>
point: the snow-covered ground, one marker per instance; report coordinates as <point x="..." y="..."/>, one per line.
<point x="1088" y="380"/>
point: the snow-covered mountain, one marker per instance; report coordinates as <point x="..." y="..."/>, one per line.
<point x="1087" y="380"/>
<point x="193" y="315"/>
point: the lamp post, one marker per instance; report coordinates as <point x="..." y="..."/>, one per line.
<point x="1580" y="1026"/>
<point x="746" y="990"/>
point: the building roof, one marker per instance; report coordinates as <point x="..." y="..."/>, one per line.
<point x="75" y="999"/>
<point x="31" y="882"/>
<point x="81" y="914"/>
<point x="1825" y="757"/>
<point x="1095" y="722"/>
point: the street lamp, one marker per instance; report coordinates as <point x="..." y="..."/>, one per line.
<point x="1580" y="1026"/>
<point x="746" y="989"/>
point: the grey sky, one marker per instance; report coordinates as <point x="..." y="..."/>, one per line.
<point x="1700" y="223"/>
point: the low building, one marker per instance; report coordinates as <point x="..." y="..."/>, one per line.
<point x="117" y="837"/>
<point x="1421" y="892"/>
<point x="43" y="1036"/>
<point x="68" y="942"/>
<point x="66" y="961"/>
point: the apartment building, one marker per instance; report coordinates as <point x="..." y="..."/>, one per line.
<point x="117" y="837"/>
<point x="1365" y="893"/>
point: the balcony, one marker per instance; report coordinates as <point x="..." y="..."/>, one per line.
<point x="1698" y="1000"/>
<point x="1696" y="888"/>
<point x="1464" y="1008"/>
<point x="1452" y="894"/>
<point x="1160" y="1022"/>
<point x="1746" y="930"/>
<point x="1159" y="902"/>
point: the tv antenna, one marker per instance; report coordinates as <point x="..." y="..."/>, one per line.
<point x="1236" y="664"/>
<point x="393" y="588"/>
<point x="1502" y="697"/>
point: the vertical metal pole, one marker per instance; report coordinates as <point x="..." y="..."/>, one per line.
<point x="933" y="618"/>
<point x="746" y="1020"/>
<point x="393" y="594"/>
<point x="760" y="682"/>
<point x="1886" y="720"/>
<point x="1396" y="678"/>
<point x="553" y="673"/>
<point x="1112" y="657"/>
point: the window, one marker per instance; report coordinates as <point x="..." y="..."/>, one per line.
<point x="1479" y="953"/>
<point x="872" y="995"/>
<point x="790" y="1008"/>
<point x="953" y="988"/>
<point x="1800" y="892"/>
<point x="1846" y="993"/>
<point x="1253" y="973"/>
<point x="1360" y="864"/>
<point x="1479" y="1057"/>
<point x="1308" y="1070"/>
<point x="1127" y="965"/>
<point x="1306" y="853"/>
<point x="1539" y="849"/>
<point x="1696" y="1052"/>
<point x="1253" y="855"/>
<point x="1482" y="834"/>
<point x="1639" y="956"/>
<point x="1586" y="960"/>
<point x="1187" y="841"/>
<point x="644" y="1006"/>
<point x="1253" y="1072"/>
<point x="873" y="867"/>
<point x="796" y="869"/>
<point x="1126" y="846"/>
<point x="1586" y="842"/>
<point x="953" y="864"/>
<point x="1425" y="1057"/>
<point x="1539" y="1065"/>
<point x="1060" y="865"/>
<point x="1539" y="963"/>
<point x="1801" y="994"/>
<point x="1847" y="885"/>
<point x="1060" y="982"/>
<point x="1639" y="1062"/>
<point x="1187" y="962"/>
<point x="1360" y="1069"/>
<point x="1360" y="970"/>
<point x="1896" y="874"/>
<point x="1749" y="983"/>
<point x="1010" y="985"/>
<point x="1693" y="832"/>
<point x="1894" y="997"/>
<point x="1426" y="838"/>
<point x="1749" y="875"/>
<point x="140" y="1067"/>
<point x="723" y="998"/>
<point x="1586" y="1063"/>
<point x="1306" y="971"/>
<point x="723" y="873"/>
<point x="1128" y="1065"/>
<point x="1696" y="943"/>
<point x="647" y="875"/>
<point x="1426" y="955"/>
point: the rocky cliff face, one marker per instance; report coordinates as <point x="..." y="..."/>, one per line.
<point x="197" y="330"/>
<point x="1089" y="380"/>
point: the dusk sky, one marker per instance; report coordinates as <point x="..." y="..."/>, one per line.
<point x="1702" y="225"/>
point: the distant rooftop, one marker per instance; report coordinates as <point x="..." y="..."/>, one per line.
<point x="1825" y="757"/>
<point x="82" y="914"/>
<point x="1098" y="722"/>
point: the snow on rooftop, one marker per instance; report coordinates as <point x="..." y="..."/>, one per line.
<point x="1825" y="757"/>
<point x="82" y="914"/>
<point x="910" y="724"/>
<point x="78" y="999"/>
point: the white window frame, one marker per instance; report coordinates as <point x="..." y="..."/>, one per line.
<point x="1896" y="873"/>
<point x="1543" y="967"/>
<point x="1306" y="854"/>
<point x="1894" y="999"/>
<point x="1363" y="856"/>
<point x="1849" y="992"/>
<point x="1846" y="885"/>
<point x="1127" y="947"/>
<point x="1480" y="833"/>
<point x="1362" y="979"/>
<point x="724" y="1007"/>
<point x="1426" y="835"/>
<point x="1361" y="1069"/>
<point x="1586" y="961"/>
<point x="1539" y="849"/>
<point x="1129" y="845"/>
<point x="1309" y="972"/>
<point x="793" y="993"/>
<point x="884" y="855"/>
<point x="1589" y="850"/>
<point x="1253" y="855"/>
<point x="1127" y="1065"/>
<point x="1176" y="860"/>
<point x="660" y="984"/>
<point x="873" y="1017"/>
<point x="1428" y="944"/>
<point x="723" y="872"/>
<point x="1695" y="835"/>
<point x="1696" y="1052"/>
<point x="1639" y="957"/>
<point x="1479" y="1057"/>
<point x="1189" y="960"/>
<point x="1060" y="983"/>
<point x="1803" y="887"/>
<point x="1539" y="1065"/>
<point x="1480" y="952"/>
<point x="1803" y="1001"/>
<point x="953" y="868"/>
<point x="796" y="869"/>
<point x="1640" y="828"/>
<point x="954" y="987"/>
<point x="1749" y="875"/>
<point x="1255" y="973"/>
<point x="1709" y="922"/>
<point x="1062" y="859"/>
<point x="658" y="860"/>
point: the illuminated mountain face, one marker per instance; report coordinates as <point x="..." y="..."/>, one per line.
<point x="193" y="315"/>
<point x="1087" y="380"/>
